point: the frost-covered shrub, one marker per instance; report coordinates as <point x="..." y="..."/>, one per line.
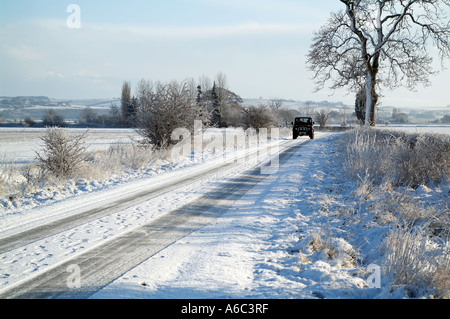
<point x="164" y="108"/>
<point x="398" y="157"/>
<point x="422" y="158"/>
<point x="61" y="152"/>
<point x="418" y="263"/>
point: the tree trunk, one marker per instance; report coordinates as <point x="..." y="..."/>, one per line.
<point x="371" y="99"/>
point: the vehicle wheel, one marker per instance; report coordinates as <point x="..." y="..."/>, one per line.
<point x="311" y="136"/>
<point x="294" y="136"/>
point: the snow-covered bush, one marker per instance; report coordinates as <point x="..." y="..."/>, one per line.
<point x="422" y="158"/>
<point x="417" y="263"/>
<point x="61" y="152"/>
<point x="164" y="108"/>
<point x="398" y="157"/>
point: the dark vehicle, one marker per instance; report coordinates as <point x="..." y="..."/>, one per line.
<point x="303" y="126"/>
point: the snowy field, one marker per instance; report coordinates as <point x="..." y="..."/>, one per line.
<point x="19" y="145"/>
<point x="262" y="247"/>
<point x="419" y="128"/>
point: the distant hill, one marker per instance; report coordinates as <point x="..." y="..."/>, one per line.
<point x="25" y="100"/>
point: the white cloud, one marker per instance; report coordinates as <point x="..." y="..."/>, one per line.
<point x="52" y="74"/>
<point x="22" y="52"/>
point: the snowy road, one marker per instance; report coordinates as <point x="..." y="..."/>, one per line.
<point x="37" y="255"/>
<point x="107" y="206"/>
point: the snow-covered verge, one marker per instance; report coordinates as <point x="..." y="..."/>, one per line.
<point x="310" y="231"/>
<point x="403" y="185"/>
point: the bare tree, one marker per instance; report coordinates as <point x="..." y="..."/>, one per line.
<point x="221" y="80"/>
<point x="217" y="98"/>
<point x="87" y="115"/>
<point x="275" y="104"/>
<point x="258" y="117"/>
<point x="374" y="42"/>
<point x="164" y="108"/>
<point x="322" y="116"/>
<point x="205" y="83"/>
<point x="221" y="96"/>
<point x="306" y="110"/>
<point x="285" y="116"/>
<point x="52" y="118"/>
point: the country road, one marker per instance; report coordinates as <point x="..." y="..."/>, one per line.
<point x="113" y="256"/>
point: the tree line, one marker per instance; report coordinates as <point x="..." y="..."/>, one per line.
<point x="156" y="109"/>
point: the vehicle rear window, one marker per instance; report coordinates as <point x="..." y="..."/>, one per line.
<point x="302" y="120"/>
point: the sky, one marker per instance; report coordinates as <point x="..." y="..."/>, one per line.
<point x="260" y="45"/>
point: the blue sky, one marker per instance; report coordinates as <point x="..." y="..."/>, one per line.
<point x="260" y="45"/>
